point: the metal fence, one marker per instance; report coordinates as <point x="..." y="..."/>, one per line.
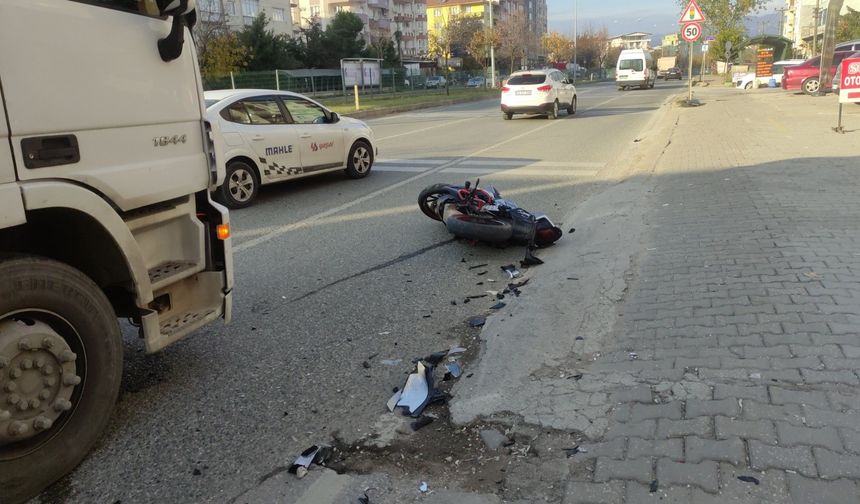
<point x="313" y="82"/>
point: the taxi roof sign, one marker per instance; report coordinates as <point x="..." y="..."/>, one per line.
<point x="692" y="14"/>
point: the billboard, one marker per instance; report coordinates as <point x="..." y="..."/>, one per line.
<point x="361" y="72"/>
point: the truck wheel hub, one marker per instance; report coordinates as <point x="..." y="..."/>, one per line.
<point x="37" y="378"/>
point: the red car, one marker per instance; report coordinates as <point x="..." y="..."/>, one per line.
<point x="804" y="77"/>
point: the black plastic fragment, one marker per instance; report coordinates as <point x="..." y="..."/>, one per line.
<point x="749" y="479"/>
<point x="436" y="357"/>
<point x="570" y="452"/>
<point x="571" y="231"/>
<point x="498" y="306"/>
<point x="530" y="259"/>
<point x="653" y="487"/>
<point x="579" y="338"/>
<point x="477" y="321"/>
<point x="478" y="296"/>
<point x="478" y="266"/>
<point x="421" y="422"/>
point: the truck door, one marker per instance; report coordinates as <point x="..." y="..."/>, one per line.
<point x="320" y="143"/>
<point x="108" y="112"/>
<point x="7" y="169"/>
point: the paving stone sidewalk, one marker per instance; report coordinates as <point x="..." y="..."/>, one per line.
<point x="741" y="329"/>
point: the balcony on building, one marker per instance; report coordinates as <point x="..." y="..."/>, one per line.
<point x="403" y="18"/>
<point x="379" y="4"/>
<point x="380" y="24"/>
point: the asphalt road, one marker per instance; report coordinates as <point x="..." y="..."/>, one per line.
<point x="329" y="272"/>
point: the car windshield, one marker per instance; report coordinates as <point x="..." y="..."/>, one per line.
<point x="630" y="64"/>
<point x="527" y="79"/>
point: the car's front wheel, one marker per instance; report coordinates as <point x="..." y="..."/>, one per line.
<point x="571" y="109"/>
<point x="240" y="185"/>
<point x="811" y="85"/>
<point x="360" y="160"/>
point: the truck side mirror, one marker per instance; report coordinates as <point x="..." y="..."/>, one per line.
<point x="183" y="13"/>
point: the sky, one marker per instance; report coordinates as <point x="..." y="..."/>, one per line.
<point x="623" y="16"/>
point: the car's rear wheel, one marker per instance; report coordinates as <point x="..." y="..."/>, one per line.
<point x="240" y="185"/>
<point x="810" y="85"/>
<point x="748" y="85"/>
<point x="553" y="113"/>
<point x="571" y="109"/>
<point x="360" y="160"/>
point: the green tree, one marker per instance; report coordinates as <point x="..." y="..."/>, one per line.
<point x="849" y="25"/>
<point x="312" y="48"/>
<point x="343" y="38"/>
<point x="267" y="50"/>
<point x="224" y="54"/>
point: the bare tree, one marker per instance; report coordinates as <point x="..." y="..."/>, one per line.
<point x="514" y="38"/>
<point x="451" y="38"/>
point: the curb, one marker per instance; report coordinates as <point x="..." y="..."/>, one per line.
<point x="371" y="114"/>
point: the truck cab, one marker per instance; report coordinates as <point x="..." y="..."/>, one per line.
<point x="106" y="169"/>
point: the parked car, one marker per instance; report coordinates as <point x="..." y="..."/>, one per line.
<point x="804" y="77"/>
<point x="673" y="73"/>
<point x="749" y="80"/>
<point x="435" y="82"/>
<point x="476" y="82"/>
<point x="538" y="92"/>
<point x="851" y="45"/>
<point x="273" y="136"/>
<point x="837" y="77"/>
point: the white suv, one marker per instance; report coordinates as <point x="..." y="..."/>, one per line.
<point x="538" y="92"/>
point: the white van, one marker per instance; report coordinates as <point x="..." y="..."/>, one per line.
<point x="635" y="68"/>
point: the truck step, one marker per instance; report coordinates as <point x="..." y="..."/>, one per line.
<point x="171" y="271"/>
<point x="175" y="324"/>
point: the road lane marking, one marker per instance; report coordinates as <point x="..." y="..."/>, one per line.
<point x="313" y="219"/>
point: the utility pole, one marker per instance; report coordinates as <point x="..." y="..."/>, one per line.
<point x="575" y="43"/>
<point x="815" y="14"/>
<point x="492" y="50"/>
<point x="781" y="11"/>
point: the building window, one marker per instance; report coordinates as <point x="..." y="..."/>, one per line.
<point x="230" y="7"/>
<point x="467" y="9"/>
<point x="210" y="10"/>
<point x="277" y="14"/>
<point x="250" y="9"/>
<point x="315" y="11"/>
<point x="437" y="12"/>
<point x="455" y="9"/>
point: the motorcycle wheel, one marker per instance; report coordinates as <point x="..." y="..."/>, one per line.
<point x="477" y="227"/>
<point x="428" y="199"/>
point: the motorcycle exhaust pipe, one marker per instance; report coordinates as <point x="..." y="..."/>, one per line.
<point x="485" y="228"/>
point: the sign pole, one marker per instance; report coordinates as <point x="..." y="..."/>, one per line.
<point x="690" y="73"/>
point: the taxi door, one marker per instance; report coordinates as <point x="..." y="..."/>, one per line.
<point x="320" y="142"/>
<point x="261" y="123"/>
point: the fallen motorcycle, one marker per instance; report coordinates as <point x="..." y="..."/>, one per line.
<point x="483" y="215"/>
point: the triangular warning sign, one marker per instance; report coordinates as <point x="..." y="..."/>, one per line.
<point x="692" y="14"/>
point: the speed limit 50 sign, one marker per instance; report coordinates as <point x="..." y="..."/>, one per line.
<point x="691" y="32"/>
<point x="849" y="82"/>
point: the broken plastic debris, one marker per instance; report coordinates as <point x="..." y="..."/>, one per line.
<point x="755" y="376"/>
<point x="571" y="231"/>
<point x="653" y="487"/>
<point x="579" y="338"/>
<point x="391" y="362"/>
<point x="421" y="422"/>
<point x="478" y="266"/>
<point x="416" y="392"/>
<point x="435" y="358"/>
<point x="511" y="270"/>
<point x="749" y="479"/>
<point x="633" y="355"/>
<point x="454" y="369"/>
<point x="364" y="499"/>
<point x="478" y="296"/>
<point x="313" y="455"/>
<point x="570" y="452"/>
<point x="456" y="350"/>
<point x="383" y="333"/>
<point x="498" y="306"/>
<point x="392" y="403"/>
<point x="423" y="487"/>
<point x="477" y="321"/>
<point x="530" y="259"/>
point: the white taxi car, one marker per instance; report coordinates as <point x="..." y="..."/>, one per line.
<point x="538" y="92"/>
<point x="272" y="136"/>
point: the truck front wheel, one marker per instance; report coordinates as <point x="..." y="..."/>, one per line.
<point x="60" y="372"/>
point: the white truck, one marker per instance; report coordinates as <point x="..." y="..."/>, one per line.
<point x="106" y="169"/>
<point x="664" y="63"/>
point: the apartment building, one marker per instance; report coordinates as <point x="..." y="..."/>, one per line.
<point x="382" y="20"/>
<point x="634" y="40"/>
<point x="800" y="22"/>
<point x="240" y="13"/>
